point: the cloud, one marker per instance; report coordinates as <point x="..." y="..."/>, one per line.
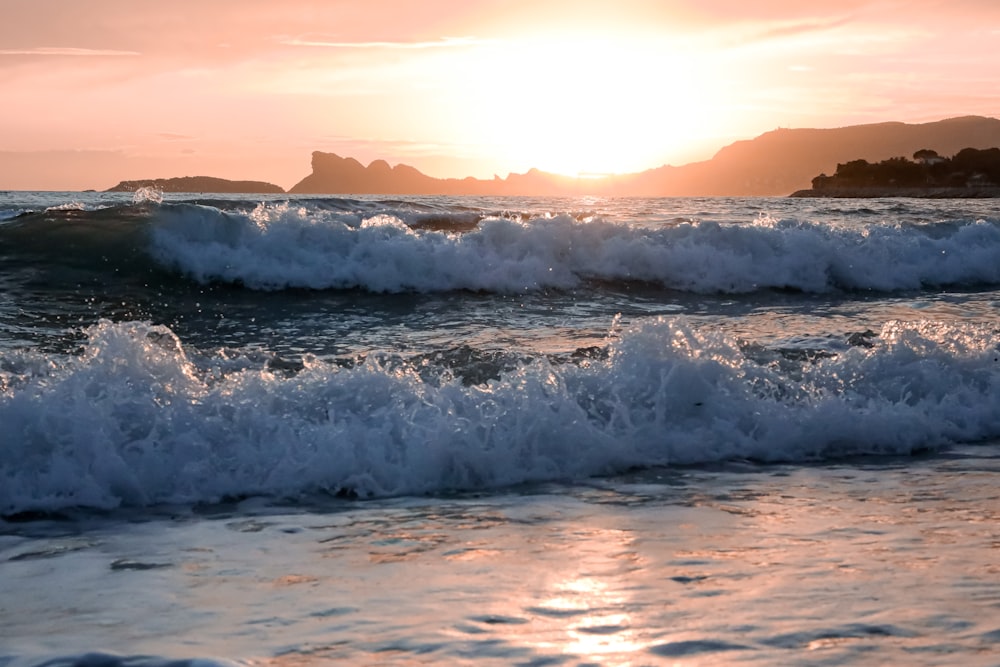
<point x="66" y="51"/>
<point x="444" y="43"/>
<point x="799" y="28"/>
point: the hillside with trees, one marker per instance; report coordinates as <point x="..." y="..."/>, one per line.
<point x="971" y="172"/>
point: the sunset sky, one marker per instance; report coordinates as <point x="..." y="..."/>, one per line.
<point x="98" y="91"/>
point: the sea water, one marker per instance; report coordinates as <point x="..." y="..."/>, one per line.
<point x="270" y="430"/>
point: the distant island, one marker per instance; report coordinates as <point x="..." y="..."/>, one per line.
<point x="970" y="173"/>
<point x="775" y="163"/>
<point x="199" y="184"/>
<point x="332" y="174"/>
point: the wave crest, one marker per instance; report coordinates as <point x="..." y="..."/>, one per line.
<point x="284" y="246"/>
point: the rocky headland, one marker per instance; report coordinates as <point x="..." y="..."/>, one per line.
<point x="333" y="174"/>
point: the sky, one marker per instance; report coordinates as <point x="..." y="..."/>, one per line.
<point x="97" y="91"/>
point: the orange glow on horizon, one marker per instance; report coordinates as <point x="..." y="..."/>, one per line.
<point x="247" y="89"/>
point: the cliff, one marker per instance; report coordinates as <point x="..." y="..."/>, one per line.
<point x="199" y="184"/>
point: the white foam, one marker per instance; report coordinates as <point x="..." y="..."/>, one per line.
<point x="68" y="206"/>
<point x="148" y="194"/>
<point x="282" y="246"/>
<point x="134" y="421"/>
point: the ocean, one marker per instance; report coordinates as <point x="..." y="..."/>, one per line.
<point x="295" y="431"/>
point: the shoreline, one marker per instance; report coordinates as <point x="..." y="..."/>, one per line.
<point x="876" y="192"/>
<point x="840" y="561"/>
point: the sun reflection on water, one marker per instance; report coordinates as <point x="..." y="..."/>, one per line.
<point x="587" y="611"/>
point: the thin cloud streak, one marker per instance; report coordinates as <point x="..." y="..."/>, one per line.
<point x="784" y="30"/>
<point x="445" y="43"/>
<point x="67" y="51"/>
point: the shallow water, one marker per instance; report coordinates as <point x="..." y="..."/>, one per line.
<point x="859" y="562"/>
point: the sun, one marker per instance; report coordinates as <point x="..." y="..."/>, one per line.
<point x="586" y="104"/>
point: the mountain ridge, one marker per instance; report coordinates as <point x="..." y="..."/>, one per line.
<point x="775" y="163"/>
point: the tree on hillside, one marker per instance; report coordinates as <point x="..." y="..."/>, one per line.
<point x="978" y="164"/>
<point x="927" y="156"/>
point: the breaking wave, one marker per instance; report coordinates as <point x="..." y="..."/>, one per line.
<point x="138" y="419"/>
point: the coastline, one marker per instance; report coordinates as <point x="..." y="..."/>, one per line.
<point x="877" y="192"/>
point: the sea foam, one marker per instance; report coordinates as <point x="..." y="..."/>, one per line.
<point x="137" y="419"/>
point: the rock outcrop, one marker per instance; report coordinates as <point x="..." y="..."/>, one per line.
<point x="333" y="174"/>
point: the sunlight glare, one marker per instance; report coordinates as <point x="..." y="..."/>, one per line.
<point x="586" y="105"/>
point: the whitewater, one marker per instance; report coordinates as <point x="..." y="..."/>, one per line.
<point x="269" y="430"/>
